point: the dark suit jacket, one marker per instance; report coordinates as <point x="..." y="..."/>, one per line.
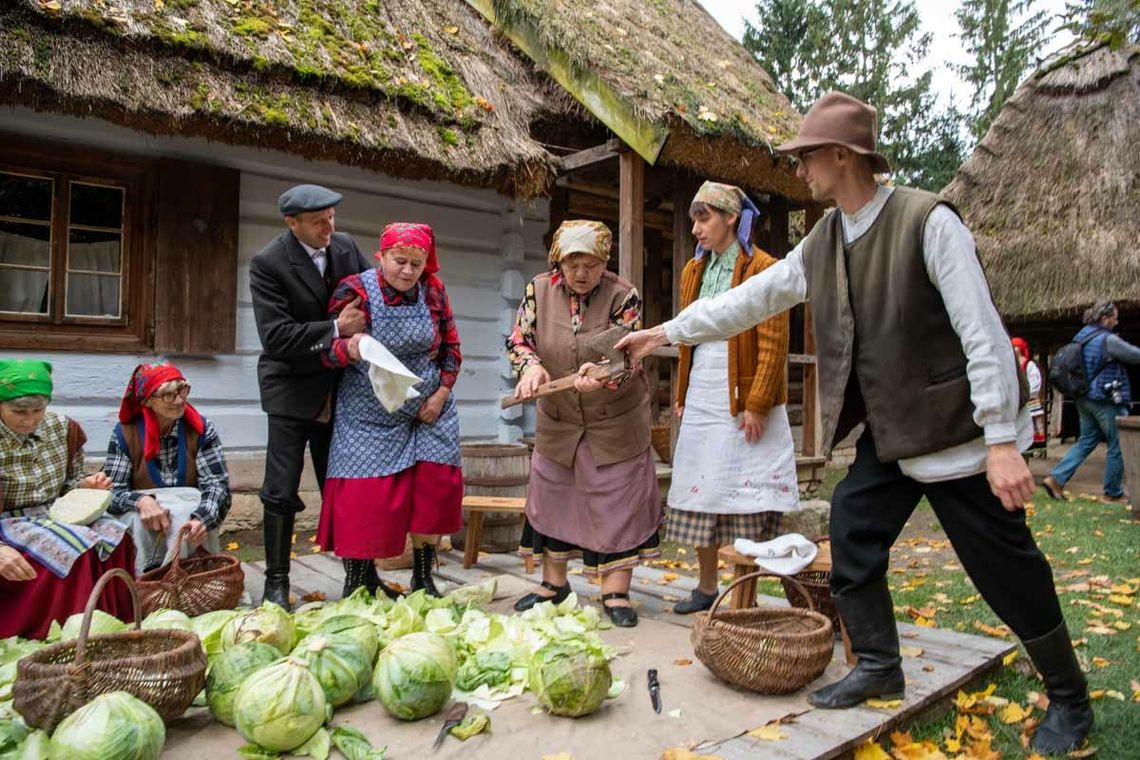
<point x="290" y="304"/>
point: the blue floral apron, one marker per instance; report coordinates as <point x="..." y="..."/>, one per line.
<point x="370" y="442"/>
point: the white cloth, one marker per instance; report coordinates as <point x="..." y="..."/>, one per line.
<point x="392" y="382"/>
<point x="785" y="555"/>
<point x="1033" y="375"/>
<point x="715" y="470"/>
<point x="953" y="268"/>
<point x="152" y="548"/>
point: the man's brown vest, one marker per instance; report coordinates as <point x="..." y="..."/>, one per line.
<point x="140" y="476"/>
<point x="615" y="422"/>
<point x="886" y="349"/>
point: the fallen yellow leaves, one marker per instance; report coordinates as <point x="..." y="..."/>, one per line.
<point x="883" y="704"/>
<point x="233" y="546"/>
<point x="682" y="662"/>
<point x="677" y="753"/>
<point x="975" y="702"/>
<point x="1014" y="713"/>
<point x="870" y="750"/>
<point x="1100" y="662"/>
<point x="903" y="747"/>
<point x="768" y="733"/>
<point x="910" y="651"/>
<point x="1121" y="599"/>
<point x="1001" y="631"/>
<point x="1010" y="658"/>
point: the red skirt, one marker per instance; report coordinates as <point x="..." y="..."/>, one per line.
<point x="27" y="608"/>
<point x="370" y="518"/>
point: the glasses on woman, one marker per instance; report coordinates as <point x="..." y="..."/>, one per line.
<point x="180" y="393"/>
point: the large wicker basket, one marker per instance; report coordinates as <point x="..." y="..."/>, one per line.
<point x="203" y="583"/>
<point x="164" y="668"/>
<point x="769" y="650"/>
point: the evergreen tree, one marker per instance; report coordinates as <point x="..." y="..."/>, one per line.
<point x="1004" y="38"/>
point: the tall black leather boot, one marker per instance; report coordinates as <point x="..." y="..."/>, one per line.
<point x="869" y="615"/>
<point x="374" y="583"/>
<point x="1070" y="717"/>
<point x="278" y="545"/>
<point x="355" y="575"/>
<point x="423" y="558"/>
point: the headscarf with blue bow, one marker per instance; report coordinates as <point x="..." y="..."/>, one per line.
<point x="731" y="200"/>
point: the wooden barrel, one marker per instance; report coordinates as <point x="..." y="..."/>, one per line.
<point x="495" y="469"/>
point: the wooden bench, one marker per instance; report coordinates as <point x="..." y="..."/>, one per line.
<point x="477" y="506"/>
<point x="744" y="595"/>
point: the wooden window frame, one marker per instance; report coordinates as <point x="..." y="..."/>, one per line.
<point x="133" y="330"/>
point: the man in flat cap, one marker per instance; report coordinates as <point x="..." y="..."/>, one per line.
<point x="909" y="344"/>
<point x="291" y="280"/>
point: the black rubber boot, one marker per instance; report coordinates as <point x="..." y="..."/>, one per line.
<point x="355" y="575"/>
<point x="423" y="558"/>
<point x="869" y="615"/>
<point x="374" y="584"/>
<point x="533" y="598"/>
<point x="1069" y="718"/>
<point x="278" y="545"/>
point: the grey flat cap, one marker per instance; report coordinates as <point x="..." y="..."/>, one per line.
<point x="302" y="198"/>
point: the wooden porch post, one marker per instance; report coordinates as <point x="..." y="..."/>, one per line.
<point x="683" y="190"/>
<point x="631" y="224"/>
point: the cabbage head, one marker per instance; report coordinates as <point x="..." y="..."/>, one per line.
<point x="268" y="624"/>
<point x="340" y="663"/>
<point x="280" y="706"/>
<point x="229" y="672"/>
<point x="208" y="628"/>
<point x="167" y="619"/>
<point x="101" y="622"/>
<point x="570" y="679"/>
<point x="364" y="631"/>
<point x="415" y="675"/>
<point x="114" y="726"/>
<point x="484" y="669"/>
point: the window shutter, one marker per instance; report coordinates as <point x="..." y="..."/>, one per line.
<point x="196" y="258"/>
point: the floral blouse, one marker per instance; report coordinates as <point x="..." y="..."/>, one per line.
<point x="522" y="348"/>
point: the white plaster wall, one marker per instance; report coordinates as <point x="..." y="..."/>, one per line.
<point x="489" y="246"/>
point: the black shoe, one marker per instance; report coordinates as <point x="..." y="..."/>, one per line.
<point x="422" y="560"/>
<point x="1053" y="488"/>
<point x="697" y="601"/>
<point x="355" y="575"/>
<point x="533" y="598"/>
<point x="373" y="583"/>
<point x="278" y="545"/>
<point x="869" y="615"/>
<point x="622" y="617"/>
<point x="1069" y="718"/>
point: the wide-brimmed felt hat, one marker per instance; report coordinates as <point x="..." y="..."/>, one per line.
<point x="839" y="119"/>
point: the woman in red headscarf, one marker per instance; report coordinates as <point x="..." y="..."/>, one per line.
<point x="394" y="473"/>
<point x="1033" y="375"/>
<point x="161" y="451"/>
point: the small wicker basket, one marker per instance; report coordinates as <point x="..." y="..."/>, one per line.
<point x="769" y="650"/>
<point x="164" y="668"/>
<point x="661" y="438"/>
<point x="203" y="583"/>
<point x="817" y="585"/>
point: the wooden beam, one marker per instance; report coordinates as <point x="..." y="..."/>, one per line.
<point x="631" y="222"/>
<point x="812" y="427"/>
<point x="684" y="188"/>
<point x="590" y="156"/>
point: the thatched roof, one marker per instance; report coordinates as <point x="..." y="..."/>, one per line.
<point x="1052" y="192"/>
<point x="410" y="88"/>
<point x="671" y="64"/>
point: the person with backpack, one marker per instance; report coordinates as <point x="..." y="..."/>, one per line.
<point x="1101" y="395"/>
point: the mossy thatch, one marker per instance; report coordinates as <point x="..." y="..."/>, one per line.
<point x="1052" y="192"/>
<point x="677" y="68"/>
<point x="414" y="89"/>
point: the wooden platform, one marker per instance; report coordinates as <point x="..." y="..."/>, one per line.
<point x="937" y="664"/>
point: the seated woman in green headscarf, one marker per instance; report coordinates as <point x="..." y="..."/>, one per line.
<point x="48" y="569"/>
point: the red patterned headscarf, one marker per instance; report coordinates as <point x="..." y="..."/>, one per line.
<point x="1022" y="349"/>
<point x="407" y="235"/>
<point x="145" y="380"/>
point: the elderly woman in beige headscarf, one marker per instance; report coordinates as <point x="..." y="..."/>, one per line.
<point x="593" y="487"/>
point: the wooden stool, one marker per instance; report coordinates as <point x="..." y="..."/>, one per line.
<point x="477" y="506"/>
<point x="744" y="595"/>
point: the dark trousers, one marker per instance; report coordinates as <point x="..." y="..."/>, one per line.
<point x="872" y="504"/>
<point x="285" y="460"/>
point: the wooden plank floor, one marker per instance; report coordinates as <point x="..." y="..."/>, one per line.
<point x="948" y="661"/>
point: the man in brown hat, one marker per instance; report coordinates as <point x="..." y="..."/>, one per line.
<point x="910" y="345"/>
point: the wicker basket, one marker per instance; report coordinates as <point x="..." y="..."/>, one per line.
<point x="769" y="650"/>
<point x="816" y="594"/>
<point x="661" y="438"/>
<point x="200" y="584"/>
<point x="164" y="668"/>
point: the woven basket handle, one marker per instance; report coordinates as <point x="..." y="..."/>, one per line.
<point x="176" y="562"/>
<point x="762" y="574"/>
<point x="93" y="600"/>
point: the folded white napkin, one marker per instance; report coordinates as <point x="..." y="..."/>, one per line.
<point x="786" y="555"/>
<point x="392" y="382"/>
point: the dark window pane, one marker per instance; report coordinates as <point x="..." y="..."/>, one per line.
<point x="92" y="295"/>
<point x="94" y="251"/>
<point x="25" y="197"/>
<point x="96" y="206"/>
<point x="25" y="244"/>
<point x="23" y="290"/>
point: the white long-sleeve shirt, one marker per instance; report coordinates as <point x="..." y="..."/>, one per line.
<point x="953" y="268"/>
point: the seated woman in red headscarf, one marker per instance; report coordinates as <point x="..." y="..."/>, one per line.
<point x="48" y="569"/>
<point x="394" y="473"/>
<point x="167" y="467"/>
